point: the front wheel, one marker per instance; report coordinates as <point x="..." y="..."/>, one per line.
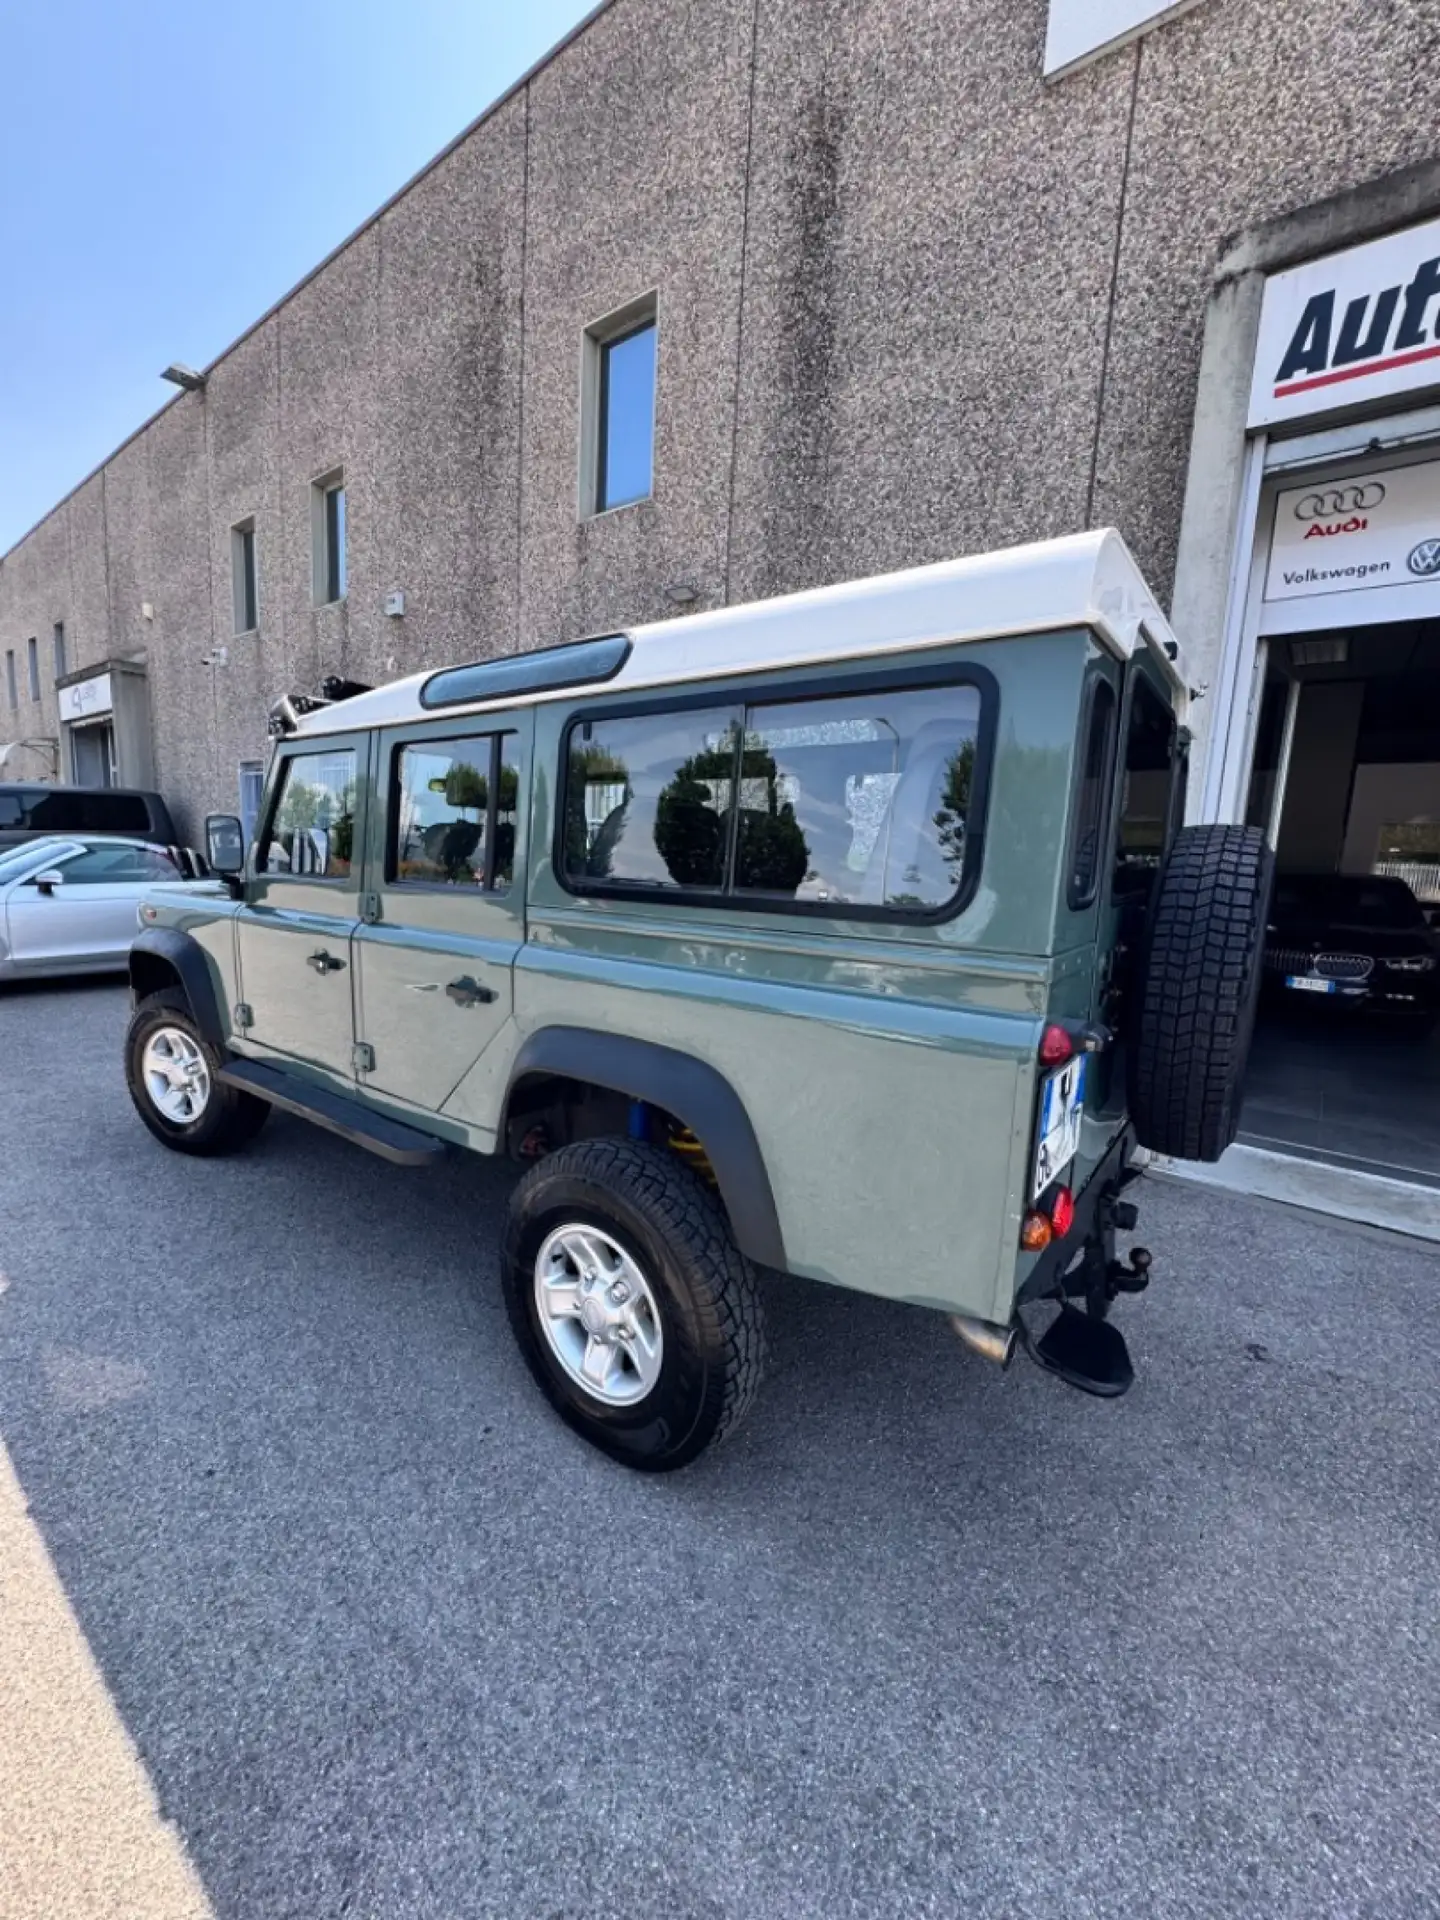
<point x="173" y="1074"/>
<point x="634" y="1308"/>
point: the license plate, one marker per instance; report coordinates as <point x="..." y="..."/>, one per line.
<point x="1062" y="1107"/>
<point x="1307" y="985"/>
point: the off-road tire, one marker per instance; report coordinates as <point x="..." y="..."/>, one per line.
<point x="704" y="1287"/>
<point x="1200" y="983"/>
<point x="231" y="1118"/>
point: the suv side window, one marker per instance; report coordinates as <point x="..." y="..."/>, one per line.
<point x="647" y="800"/>
<point x="311" y="829"/>
<point x="840" y="802"/>
<point x="1097" y="752"/>
<point x="1148" y="797"/>
<point x="455" y="812"/>
<point x="108" y="866"/>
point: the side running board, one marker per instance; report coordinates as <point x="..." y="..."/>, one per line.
<point x="391" y="1139"/>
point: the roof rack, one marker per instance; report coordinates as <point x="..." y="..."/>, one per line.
<point x="284" y="716"/>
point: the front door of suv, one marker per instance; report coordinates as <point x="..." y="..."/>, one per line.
<point x="445" y="879"/>
<point x="302" y="903"/>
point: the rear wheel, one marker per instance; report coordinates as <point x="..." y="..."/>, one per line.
<point x="173" y="1072"/>
<point x="634" y="1308"/>
<point x="1200" y="984"/>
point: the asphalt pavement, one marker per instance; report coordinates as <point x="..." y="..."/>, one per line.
<point x="923" y="1639"/>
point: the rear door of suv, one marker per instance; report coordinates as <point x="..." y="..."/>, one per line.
<point x="444" y="902"/>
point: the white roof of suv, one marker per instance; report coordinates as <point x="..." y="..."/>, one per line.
<point x="1086" y="580"/>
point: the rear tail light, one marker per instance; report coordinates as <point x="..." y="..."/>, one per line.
<point x="1056" y="1047"/>
<point x="1062" y="1212"/>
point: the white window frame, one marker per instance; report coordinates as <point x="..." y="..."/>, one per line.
<point x="642" y="311"/>
<point x="242" y="532"/>
<point x="320" y="569"/>
<point x="1080" y="31"/>
<point x="251" y="783"/>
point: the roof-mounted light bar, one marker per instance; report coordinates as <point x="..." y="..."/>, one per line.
<point x="576" y="663"/>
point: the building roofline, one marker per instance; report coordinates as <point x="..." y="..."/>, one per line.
<point x="501" y="100"/>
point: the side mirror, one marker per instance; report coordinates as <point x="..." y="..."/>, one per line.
<point x="48" y="881"/>
<point x="224" y="843"/>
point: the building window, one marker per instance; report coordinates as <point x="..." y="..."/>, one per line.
<point x="32" y="661"/>
<point x="58" y="639"/>
<point x="1082" y="30"/>
<point x="243" y="583"/>
<point x="617" y="410"/>
<point x="327" y="536"/>
<point x="10" y="686"/>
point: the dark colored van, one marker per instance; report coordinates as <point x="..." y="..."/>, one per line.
<point x="30" y="810"/>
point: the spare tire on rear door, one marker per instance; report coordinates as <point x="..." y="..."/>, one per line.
<point x="1194" y="1014"/>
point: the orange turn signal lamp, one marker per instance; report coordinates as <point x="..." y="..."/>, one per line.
<point x="1038" y="1229"/>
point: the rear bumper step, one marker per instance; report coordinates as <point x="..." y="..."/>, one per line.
<point x="391" y="1139"/>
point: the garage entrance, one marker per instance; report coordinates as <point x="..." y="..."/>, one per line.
<point x="1346" y="779"/>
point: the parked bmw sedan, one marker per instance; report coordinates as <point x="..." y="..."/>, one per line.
<point x="68" y="905"/>
<point x="1355" y="939"/>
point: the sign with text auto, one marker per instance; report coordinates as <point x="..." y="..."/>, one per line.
<point x="1356" y="326"/>
<point x="1380" y="530"/>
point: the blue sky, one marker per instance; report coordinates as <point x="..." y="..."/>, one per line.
<point x="167" y="171"/>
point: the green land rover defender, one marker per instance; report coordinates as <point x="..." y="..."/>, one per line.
<point x="854" y="935"/>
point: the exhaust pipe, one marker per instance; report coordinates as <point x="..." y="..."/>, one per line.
<point x="986" y="1339"/>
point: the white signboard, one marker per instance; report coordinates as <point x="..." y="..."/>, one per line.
<point x="1353" y="327"/>
<point x="86" y="698"/>
<point x="1382" y="530"/>
<point x="1081" y="29"/>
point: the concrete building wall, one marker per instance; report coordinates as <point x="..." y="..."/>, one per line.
<point x="913" y="302"/>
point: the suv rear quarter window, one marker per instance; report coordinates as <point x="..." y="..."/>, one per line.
<point x="852" y="803"/>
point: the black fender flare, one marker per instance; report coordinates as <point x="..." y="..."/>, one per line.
<point x="697" y="1094"/>
<point x="182" y="955"/>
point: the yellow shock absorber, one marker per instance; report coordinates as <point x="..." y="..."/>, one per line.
<point x="683" y="1142"/>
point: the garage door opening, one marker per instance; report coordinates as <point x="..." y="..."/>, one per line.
<point x="1346" y="780"/>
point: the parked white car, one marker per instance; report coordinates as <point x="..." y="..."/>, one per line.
<point x="69" y="905"/>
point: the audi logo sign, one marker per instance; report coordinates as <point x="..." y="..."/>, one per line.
<point x="1353" y="327"/>
<point x="1376" y="531"/>
<point x="1335" y="502"/>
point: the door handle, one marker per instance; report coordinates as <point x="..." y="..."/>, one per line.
<point x="466" y="992"/>
<point x="323" y="962"/>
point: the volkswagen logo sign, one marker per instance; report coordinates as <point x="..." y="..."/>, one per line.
<point x="1424" y="562"/>
<point x="1335" y="502"/>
